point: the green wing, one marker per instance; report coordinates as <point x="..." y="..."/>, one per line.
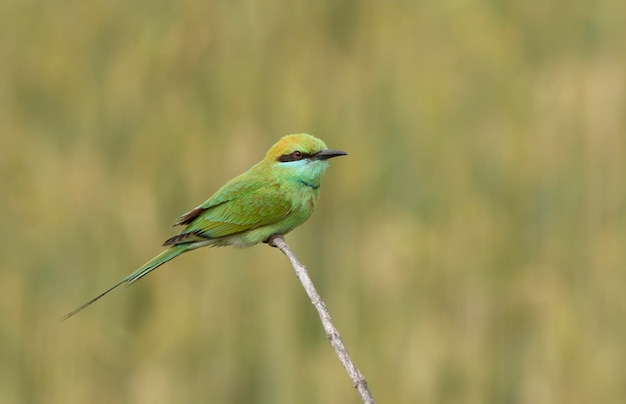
<point x="242" y="204"/>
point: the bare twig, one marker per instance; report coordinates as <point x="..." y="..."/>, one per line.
<point x="358" y="380"/>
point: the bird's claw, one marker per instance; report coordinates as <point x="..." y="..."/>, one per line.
<point x="270" y="240"/>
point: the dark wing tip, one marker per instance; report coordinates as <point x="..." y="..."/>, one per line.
<point x="184" y="238"/>
<point x="189" y="217"/>
<point x="173" y="240"/>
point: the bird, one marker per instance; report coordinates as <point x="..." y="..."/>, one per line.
<point x="272" y="198"/>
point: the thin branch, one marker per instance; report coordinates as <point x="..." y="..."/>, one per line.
<point x="358" y="380"/>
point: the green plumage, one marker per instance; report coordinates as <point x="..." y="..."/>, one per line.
<point x="275" y="196"/>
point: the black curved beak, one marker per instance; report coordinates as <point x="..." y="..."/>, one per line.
<point x="328" y="154"/>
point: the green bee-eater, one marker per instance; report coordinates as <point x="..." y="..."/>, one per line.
<point x="273" y="197"/>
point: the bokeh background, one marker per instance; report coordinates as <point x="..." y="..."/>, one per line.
<point x="471" y="249"/>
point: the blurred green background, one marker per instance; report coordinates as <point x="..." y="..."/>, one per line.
<point x="471" y="249"/>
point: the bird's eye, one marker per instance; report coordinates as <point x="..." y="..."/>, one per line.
<point x="293" y="156"/>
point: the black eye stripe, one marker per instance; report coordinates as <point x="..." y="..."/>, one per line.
<point x="292" y="157"/>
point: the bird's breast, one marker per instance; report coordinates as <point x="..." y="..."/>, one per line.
<point x="305" y="200"/>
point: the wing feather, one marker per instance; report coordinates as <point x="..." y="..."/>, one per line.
<point x="238" y="206"/>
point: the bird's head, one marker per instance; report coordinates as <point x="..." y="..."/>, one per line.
<point x="301" y="156"/>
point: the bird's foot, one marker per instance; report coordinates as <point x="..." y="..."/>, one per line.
<point x="270" y="239"/>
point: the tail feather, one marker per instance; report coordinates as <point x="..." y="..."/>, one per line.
<point x="144" y="270"/>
